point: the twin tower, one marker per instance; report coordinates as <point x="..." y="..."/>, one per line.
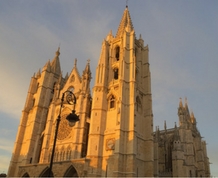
<point x="114" y="136"/>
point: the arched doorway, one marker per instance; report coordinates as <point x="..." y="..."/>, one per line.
<point x="71" y="172"/>
<point x="45" y="173"/>
<point x="26" y="175"/>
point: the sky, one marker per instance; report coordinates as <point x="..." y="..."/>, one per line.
<point x="183" y="53"/>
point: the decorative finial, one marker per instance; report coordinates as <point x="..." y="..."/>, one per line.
<point x="58" y="51"/>
<point x="165" y="125"/>
<point x="75" y="62"/>
<point x="126" y="3"/>
<point x="88" y="61"/>
<point x="180" y="102"/>
<point x="186" y="101"/>
<point x="192" y="114"/>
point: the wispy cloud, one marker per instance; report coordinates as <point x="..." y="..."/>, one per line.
<point x="6" y="145"/>
<point x="182" y="41"/>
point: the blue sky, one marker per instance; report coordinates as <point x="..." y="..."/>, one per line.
<point x="183" y="43"/>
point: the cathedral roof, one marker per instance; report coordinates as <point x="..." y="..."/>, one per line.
<point x="125" y="22"/>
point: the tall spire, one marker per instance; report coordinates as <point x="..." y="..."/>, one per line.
<point x="87" y="71"/>
<point x="176" y="133"/>
<point x="186" y="102"/>
<point x="165" y="125"/>
<point x="180" y="103"/>
<point x="125" y="22"/>
<point x="55" y="64"/>
<point x="75" y="62"/>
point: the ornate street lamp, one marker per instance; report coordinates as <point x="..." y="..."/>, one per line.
<point x="72" y="118"/>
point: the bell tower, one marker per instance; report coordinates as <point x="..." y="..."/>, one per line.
<point x="121" y="124"/>
<point x="41" y="91"/>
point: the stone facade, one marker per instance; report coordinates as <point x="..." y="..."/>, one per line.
<point x="114" y="136"/>
<point x="121" y="120"/>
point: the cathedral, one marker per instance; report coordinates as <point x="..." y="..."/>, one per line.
<point x="180" y="151"/>
<point x="114" y="136"/>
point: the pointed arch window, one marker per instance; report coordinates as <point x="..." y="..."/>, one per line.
<point x="112" y="102"/>
<point x="53" y="89"/>
<point x="117" y="53"/>
<point x="116" y="73"/>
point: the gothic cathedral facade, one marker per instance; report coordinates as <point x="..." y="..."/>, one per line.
<point x="114" y="136"/>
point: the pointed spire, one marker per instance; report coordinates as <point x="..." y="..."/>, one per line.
<point x="125" y="22"/>
<point x="110" y="33"/>
<point x="66" y="76"/>
<point x="186" y="107"/>
<point x="192" y="117"/>
<point x="75" y="71"/>
<point x="75" y="62"/>
<point x="157" y="134"/>
<point x="176" y="133"/>
<point x="58" y="52"/>
<point x="55" y="64"/>
<point x="186" y="102"/>
<point x="165" y="125"/>
<point x="180" y="103"/>
<point x="192" y="114"/>
<point x="109" y="36"/>
<point x="87" y="71"/>
<point x="38" y="75"/>
<point x="180" y="108"/>
<point x="47" y="66"/>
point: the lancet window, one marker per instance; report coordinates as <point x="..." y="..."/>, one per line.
<point x="53" y="89"/>
<point x="116" y="73"/>
<point x="117" y="53"/>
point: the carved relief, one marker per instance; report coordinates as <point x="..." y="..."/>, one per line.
<point x="110" y="144"/>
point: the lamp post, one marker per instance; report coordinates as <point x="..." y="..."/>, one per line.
<point x="72" y="118"/>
